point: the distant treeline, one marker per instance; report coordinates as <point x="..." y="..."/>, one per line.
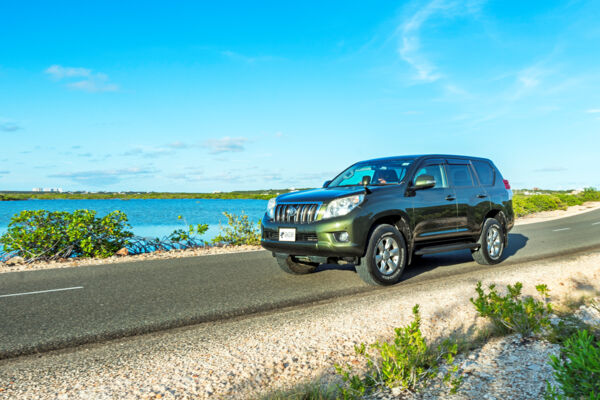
<point x="250" y="194"/>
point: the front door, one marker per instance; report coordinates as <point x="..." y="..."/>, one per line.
<point x="434" y="210"/>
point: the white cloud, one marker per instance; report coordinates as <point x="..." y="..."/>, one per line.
<point x="105" y="177"/>
<point x="225" y="145"/>
<point x="94" y="81"/>
<point x="59" y="72"/>
<point x="593" y="111"/>
<point x="410" y="34"/>
<point x="9" y="126"/>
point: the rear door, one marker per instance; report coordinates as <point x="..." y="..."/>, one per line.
<point x="472" y="200"/>
<point x="434" y="210"/>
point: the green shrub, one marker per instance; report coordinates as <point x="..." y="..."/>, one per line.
<point x="590" y="194"/>
<point x="45" y="235"/>
<point x="185" y="235"/>
<point x="239" y="230"/>
<point x="408" y="362"/>
<point x="513" y="312"/>
<point x="578" y="370"/>
<point x="524" y="205"/>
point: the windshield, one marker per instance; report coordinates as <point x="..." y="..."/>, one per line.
<point x="380" y="172"/>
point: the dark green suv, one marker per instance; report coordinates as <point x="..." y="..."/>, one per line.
<point x="378" y="214"/>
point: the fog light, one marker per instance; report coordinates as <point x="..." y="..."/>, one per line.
<point x="342" y="236"/>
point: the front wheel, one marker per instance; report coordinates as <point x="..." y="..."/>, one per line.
<point x="291" y="265"/>
<point x="385" y="258"/>
<point x="491" y="243"/>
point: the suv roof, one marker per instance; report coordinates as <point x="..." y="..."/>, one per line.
<point x="423" y="156"/>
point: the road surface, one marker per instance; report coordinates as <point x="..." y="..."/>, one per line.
<point x="51" y="309"/>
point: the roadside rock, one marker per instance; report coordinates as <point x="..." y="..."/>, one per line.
<point x="15" y="261"/>
<point x="590" y="314"/>
<point x="122" y="252"/>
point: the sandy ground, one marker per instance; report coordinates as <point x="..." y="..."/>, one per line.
<point x="537" y="217"/>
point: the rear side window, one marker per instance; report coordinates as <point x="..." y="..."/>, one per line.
<point x="460" y="175"/>
<point x="485" y="172"/>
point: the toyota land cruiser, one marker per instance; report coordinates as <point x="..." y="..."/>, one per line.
<point x="378" y="214"/>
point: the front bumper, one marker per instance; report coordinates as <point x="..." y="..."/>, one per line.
<point x="318" y="238"/>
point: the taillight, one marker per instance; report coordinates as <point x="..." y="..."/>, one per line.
<point x="506" y="184"/>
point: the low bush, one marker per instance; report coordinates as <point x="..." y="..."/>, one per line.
<point x="407" y="362"/>
<point x="47" y="235"/>
<point x="523" y="204"/>
<point x="239" y="230"/>
<point x="577" y="371"/>
<point x="512" y="312"/>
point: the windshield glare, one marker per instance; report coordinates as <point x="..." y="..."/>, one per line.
<point x="389" y="172"/>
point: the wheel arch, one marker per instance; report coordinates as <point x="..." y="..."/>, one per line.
<point x="398" y="219"/>
<point x="500" y="217"/>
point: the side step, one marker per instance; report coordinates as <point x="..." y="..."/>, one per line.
<point x="446" y="247"/>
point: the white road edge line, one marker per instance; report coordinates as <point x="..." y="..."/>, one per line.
<point x="42" y="291"/>
<point x="560" y="229"/>
<point x="596" y="223"/>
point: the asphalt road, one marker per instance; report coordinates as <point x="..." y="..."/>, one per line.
<point x="51" y="309"/>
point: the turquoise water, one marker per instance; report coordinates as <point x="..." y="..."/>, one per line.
<point x="148" y="218"/>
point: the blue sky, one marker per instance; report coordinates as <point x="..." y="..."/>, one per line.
<point x="206" y="96"/>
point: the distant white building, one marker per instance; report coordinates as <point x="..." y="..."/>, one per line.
<point x="51" y="190"/>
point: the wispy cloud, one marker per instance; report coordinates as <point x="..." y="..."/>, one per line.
<point x="93" y="82"/>
<point x="550" y="169"/>
<point x="593" y="111"/>
<point x="409" y="32"/>
<point x="179" y="145"/>
<point x="225" y="145"/>
<point x="105" y="177"/>
<point x="9" y="126"/>
<point x="148" y="152"/>
<point x="235" y="56"/>
<point x="59" y="72"/>
<point x="151" y="152"/>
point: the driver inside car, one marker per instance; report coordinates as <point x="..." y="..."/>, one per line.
<point x="385" y="176"/>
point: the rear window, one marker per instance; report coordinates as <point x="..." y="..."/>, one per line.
<point x="460" y="174"/>
<point x="485" y="172"/>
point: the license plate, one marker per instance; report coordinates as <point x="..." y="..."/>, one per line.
<point x="287" y="234"/>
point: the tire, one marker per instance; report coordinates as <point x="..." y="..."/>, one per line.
<point x="491" y="243"/>
<point x="292" y="266"/>
<point x="379" y="268"/>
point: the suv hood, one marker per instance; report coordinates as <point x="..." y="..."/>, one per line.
<point x="319" y="195"/>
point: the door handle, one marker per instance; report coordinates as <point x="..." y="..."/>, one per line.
<point x="481" y="196"/>
<point x="450" y="198"/>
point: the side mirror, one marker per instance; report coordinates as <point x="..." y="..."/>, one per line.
<point x="326" y="184"/>
<point x="423" y="182"/>
<point x="366" y="180"/>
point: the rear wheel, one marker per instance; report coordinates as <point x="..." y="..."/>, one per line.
<point x="491" y="243"/>
<point x="385" y="258"/>
<point x="291" y="265"/>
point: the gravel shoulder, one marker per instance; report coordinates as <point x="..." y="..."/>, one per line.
<point x="249" y="357"/>
<point x="4" y="267"/>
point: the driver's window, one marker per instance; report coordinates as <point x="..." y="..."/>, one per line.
<point x="438" y="173"/>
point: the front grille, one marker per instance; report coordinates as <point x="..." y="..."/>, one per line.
<point x="297" y="213"/>
<point x="300" y="236"/>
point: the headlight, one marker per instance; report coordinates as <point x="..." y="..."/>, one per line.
<point x="342" y="206"/>
<point x="271" y="208"/>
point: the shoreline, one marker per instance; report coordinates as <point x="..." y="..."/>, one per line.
<point x="204" y="251"/>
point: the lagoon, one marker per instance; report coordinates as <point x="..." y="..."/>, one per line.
<point x="148" y="217"/>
